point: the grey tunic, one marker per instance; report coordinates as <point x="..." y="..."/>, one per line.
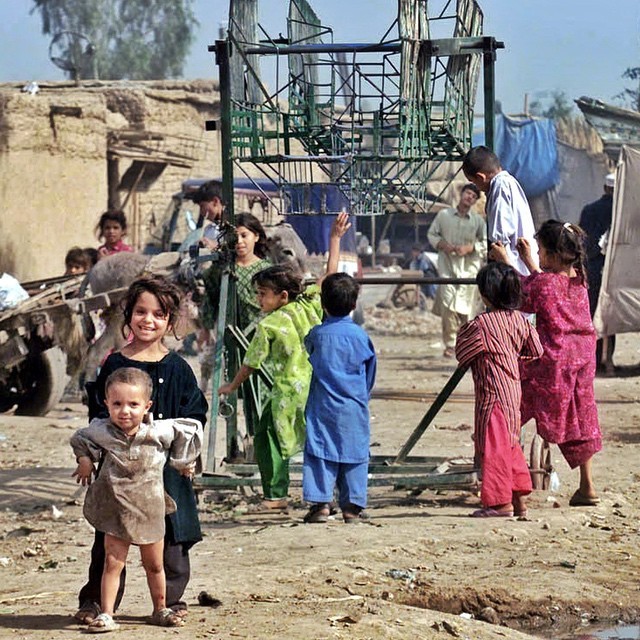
<point x="128" y="500"/>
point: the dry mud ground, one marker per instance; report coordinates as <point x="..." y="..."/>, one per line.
<point x="276" y="577"/>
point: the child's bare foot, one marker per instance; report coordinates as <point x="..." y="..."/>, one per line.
<point x="497" y="511"/>
<point x="519" y="505"/>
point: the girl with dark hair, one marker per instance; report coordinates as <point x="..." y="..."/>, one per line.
<point x="112" y="228"/>
<point x="558" y="388"/>
<point x="250" y="258"/>
<point x="151" y="309"/>
<point x="493" y="344"/>
<point x="278" y="343"/>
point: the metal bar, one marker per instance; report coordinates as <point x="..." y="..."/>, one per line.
<point x="380" y="280"/>
<point x="489" y="80"/>
<point x="440" y="46"/>
<point x="434" y="480"/>
<point x="222" y="60"/>
<point x="217" y="373"/>
<point x="438" y="403"/>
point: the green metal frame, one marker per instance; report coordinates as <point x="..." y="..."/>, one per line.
<point x="420" y="113"/>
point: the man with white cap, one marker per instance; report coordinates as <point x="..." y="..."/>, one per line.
<point x="595" y="220"/>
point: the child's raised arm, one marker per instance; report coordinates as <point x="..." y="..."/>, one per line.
<point x="339" y="227"/>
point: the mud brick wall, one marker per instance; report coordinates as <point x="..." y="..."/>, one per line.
<point x="53" y="161"/>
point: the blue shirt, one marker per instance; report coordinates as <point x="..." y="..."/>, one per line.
<point x="344" y="371"/>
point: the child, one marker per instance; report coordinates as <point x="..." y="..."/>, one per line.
<point x="250" y="258"/>
<point x="277" y="343"/>
<point x="337" y="414"/>
<point x="112" y="226"/>
<point x="76" y="262"/>
<point x="151" y="308"/>
<point x="492" y="344"/>
<point x="127" y="500"/>
<point x="508" y="213"/>
<point x="558" y="388"/>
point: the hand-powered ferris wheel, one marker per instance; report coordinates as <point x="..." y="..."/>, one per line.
<point x="372" y="121"/>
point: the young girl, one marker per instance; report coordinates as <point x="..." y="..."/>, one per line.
<point x="492" y="344"/>
<point x="151" y="309"/>
<point x="251" y="257"/>
<point x="278" y="343"/>
<point x="127" y="501"/>
<point x="112" y="227"/>
<point x="558" y="388"/>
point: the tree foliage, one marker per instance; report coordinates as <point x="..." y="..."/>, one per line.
<point x="561" y="107"/>
<point x="632" y="95"/>
<point x="133" y="39"/>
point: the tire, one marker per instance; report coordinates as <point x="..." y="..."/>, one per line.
<point x="46" y="380"/>
<point x="540" y="463"/>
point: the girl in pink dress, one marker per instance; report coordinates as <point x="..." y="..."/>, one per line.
<point x="493" y="344"/>
<point x="557" y="389"/>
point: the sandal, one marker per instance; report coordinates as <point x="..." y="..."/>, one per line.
<point x="580" y="500"/>
<point x="102" y="624"/>
<point x="354" y="514"/>
<point x="180" y="610"/>
<point x="488" y="512"/>
<point x="269" y="506"/>
<point x="87" y="612"/>
<point x="318" y="513"/>
<point x="165" y="618"/>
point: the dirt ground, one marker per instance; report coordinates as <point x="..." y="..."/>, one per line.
<point x="409" y="572"/>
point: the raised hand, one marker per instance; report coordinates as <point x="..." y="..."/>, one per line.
<point x="340" y="225"/>
<point x="524" y="249"/>
<point x="498" y="252"/>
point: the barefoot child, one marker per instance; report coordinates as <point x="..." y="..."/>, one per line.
<point x="127" y="500"/>
<point x="151" y="308"/>
<point x="557" y="389"/>
<point x="492" y="344"/>
<point x="336" y="451"/>
<point x="278" y="342"/>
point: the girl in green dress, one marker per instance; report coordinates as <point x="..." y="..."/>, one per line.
<point x="278" y="343"/>
<point x="251" y="257"/>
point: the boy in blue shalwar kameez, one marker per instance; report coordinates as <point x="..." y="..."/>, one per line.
<point x="337" y="412"/>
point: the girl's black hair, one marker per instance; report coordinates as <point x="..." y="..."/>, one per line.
<point x="249" y="221"/>
<point x="166" y="292"/>
<point x="567" y="241"/>
<point x="112" y="215"/>
<point x="499" y="283"/>
<point x="279" y="278"/>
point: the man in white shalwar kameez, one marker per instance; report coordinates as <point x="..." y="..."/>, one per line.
<point x="460" y="237"/>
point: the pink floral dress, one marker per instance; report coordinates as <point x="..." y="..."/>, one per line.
<point x="557" y="389"/>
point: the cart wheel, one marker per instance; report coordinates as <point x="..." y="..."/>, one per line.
<point x="406" y="296"/>
<point x="46" y="379"/>
<point x="540" y="463"/>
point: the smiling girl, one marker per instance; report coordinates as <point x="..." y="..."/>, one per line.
<point x="151" y="309"/>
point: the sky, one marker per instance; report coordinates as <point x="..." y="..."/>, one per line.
<point x="579" y="47"/>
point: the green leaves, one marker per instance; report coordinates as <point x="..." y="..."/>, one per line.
<point x="134" y="39"/>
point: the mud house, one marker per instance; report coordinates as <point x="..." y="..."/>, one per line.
<point x="68" y="152"/>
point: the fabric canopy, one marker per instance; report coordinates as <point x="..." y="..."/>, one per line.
<point x="527" y="150"/>
<point x="618" y="308"/>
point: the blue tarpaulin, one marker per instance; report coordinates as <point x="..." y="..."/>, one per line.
<point x="314" y="229"/>
<point x="527" y="150"/>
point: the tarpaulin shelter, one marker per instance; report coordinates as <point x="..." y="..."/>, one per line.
<point x="618" y="308"/>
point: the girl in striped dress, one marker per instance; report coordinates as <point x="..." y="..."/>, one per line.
<point x="493" y="344"/>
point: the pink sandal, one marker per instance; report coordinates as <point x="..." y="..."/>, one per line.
<point x="488" y="512"/>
